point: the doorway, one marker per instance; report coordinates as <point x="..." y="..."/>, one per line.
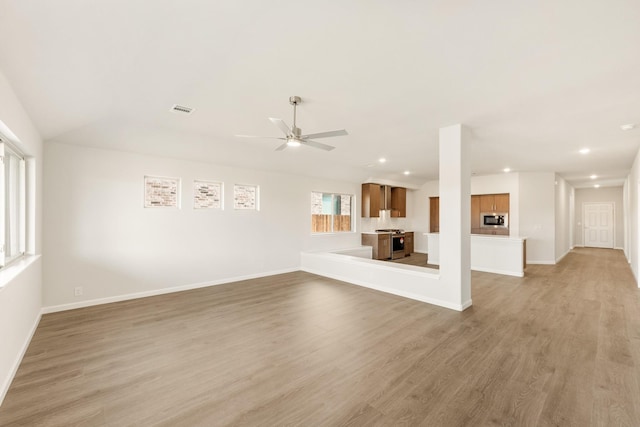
<point x="598" y="225"/>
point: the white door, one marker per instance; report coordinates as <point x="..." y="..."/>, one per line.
<point x="598" y="225"/>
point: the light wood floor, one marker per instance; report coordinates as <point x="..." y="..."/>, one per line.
<point x="560" y="347"/>
<point x="416" y="259"/>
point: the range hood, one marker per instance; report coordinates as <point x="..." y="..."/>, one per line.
<point x="385" y="197"/>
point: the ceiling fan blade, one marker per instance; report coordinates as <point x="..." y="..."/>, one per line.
<point x="282" y="147"/>
<point x="283" y="127"/>
<point x="315" y="144"/>
<point x="340" y="132"/>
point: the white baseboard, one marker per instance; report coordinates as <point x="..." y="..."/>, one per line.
<point x="496" y="271"/>
<point x="136" y="295"/>
<point x="615" y="247"/>
<point x="562" y="256"/>
<point x="393" y="291"/>
<point x="542" y="262"/>
<point x="18" y="361"/>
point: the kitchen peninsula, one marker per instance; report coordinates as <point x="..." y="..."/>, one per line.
<point x="493" y="254"/>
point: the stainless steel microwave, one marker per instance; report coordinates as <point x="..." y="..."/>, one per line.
<point x="494" y="220"/>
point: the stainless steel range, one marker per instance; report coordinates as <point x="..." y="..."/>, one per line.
<point x="397" y="242"/>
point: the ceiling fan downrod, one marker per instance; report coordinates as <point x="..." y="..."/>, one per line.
<point x="295" y="100"/>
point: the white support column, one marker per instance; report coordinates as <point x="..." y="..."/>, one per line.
<point x="455" y="211"/>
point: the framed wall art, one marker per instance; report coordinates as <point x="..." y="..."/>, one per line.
<point x="246" y="197"/>
<point x="161" y="192"/>
<point x="208" y="195"/>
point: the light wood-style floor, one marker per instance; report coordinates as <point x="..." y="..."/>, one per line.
<point x="417" y="259"/>
<point x="560" y="347"/>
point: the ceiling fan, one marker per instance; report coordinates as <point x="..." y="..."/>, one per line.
<point x="293" y="136"/>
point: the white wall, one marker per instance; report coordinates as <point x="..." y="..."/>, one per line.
<point x="420" y="214"/>
<point x="563" y="201"/>
<point x="596" y="195"/>
<point x="634" y="217"/>
<point x="98" y="235"/>
<point x="537" y="215"/>
<point x="20" y="297"/>
<point x="384" y="221"/>
<point x="626" y="214"/>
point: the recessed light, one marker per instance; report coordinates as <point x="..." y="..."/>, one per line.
<point x="407" y="172"/>
<point x="585" y="151"/>
<point x="593" y="176"/>
<point x="382" y="160"/>
<point x="596" y="186"/>
<point x="628" y="126"/>
<point x="506" y="170"/>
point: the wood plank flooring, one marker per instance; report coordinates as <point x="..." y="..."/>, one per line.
<point x="417" y="259"/>
<point x="559" y="347"/>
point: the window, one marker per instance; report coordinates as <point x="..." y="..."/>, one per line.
<point x="161" y="192"/>
<point x="246" y="197"/>
<point x="12" y="204"/>
<point x="331" y="213"/>
<point x="207" y="195"/>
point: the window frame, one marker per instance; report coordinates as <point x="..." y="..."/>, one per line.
<point x="7" y="149"/>
<point x="333" y="231"/>
<point x="220" y="184"/>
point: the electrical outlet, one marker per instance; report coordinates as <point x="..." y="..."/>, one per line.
<point x="77" y="291"/>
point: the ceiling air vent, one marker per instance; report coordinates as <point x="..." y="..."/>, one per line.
<point x="181" y="109"/>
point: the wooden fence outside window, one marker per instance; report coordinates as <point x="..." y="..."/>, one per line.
<point x="322" y="223"/>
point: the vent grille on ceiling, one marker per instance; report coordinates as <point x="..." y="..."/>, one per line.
<point x="181" y="109"/>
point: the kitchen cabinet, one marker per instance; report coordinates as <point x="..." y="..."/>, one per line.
<point x="398" y="202"/>
<point x="376" y="197"/>
<point x="475" y="215"/>
<point x="479" y="204"/>
<point x="486" y="202"/>
<point x="408" y="243"/>
<point x="370" y="200"/>
<point x="434" y="214"/>
<point x="502" y="203"/>
<point x="494" y="203"/>
<point x="381" y="243"/>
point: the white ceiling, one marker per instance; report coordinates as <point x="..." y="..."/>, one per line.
<point x="534" y="80"/>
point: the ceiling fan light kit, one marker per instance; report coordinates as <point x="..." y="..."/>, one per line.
<point x="293" y="136"/>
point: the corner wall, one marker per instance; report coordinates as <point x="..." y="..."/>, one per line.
<point x="563" y="225"/>
<point x="633" y="187"/>
<point x="537" y="215"/>
<point x="21" y="296"/>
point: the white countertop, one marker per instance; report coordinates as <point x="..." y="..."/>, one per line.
<point x="384" y="232"/>
<point x="486" y="236"/>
